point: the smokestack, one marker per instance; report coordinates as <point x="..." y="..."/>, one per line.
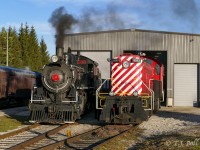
<point x="59" y="52"/>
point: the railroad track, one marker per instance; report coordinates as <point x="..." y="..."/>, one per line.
<point x="47" y="137"/>
<point x="14" y="138"/>
<point x="43" y="137"/>
<point x="86" y="140"/>
<point x="13" y="133"/>
<point x="111" y="140"/>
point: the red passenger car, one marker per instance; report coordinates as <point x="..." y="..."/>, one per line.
<point x="16" y="85"/>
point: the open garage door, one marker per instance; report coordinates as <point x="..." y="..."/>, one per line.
<point x="185" y="84"/>
<point x="101" y="58"/>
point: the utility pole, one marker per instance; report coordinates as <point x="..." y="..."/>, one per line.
<point x="7" y="50"/>
<point x="7" y="46"/>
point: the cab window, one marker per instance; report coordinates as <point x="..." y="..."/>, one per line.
<point x="149" y="61"/>
<point x="157" y="69"/>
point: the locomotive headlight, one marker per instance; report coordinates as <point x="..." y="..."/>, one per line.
<point x="55" y="77"/>
<point x="135" y="93"/>
<point x="125" y="64"/>
<point x="111" y="93"/>
<point x="54" y="58"/>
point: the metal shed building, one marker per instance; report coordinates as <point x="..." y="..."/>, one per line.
<point x="179" y="52"/>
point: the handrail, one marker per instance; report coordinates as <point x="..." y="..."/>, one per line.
<point x="43" y="100"/>
<point x="152" y="97"/>
<point x="163" y="93"/>
<point x="32" y="94"/>
<point x="97" y="92"/>
<point x="152" y="90"/>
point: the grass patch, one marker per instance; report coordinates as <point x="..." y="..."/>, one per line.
<point x="11" y="122"/>
<point x="196" y="147"/>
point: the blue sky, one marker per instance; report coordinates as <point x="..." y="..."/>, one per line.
<point x="161" y="15"/>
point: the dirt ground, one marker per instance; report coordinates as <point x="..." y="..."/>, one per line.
<point x="171" y="128"/>
<point x="184" y="139"/>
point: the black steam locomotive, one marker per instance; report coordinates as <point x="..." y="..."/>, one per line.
<point x="68" y="88"/>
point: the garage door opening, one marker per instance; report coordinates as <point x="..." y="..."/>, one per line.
<point x="185" y="84"/>
<point x="100" y="56"/>
<point x="161" y="56"/>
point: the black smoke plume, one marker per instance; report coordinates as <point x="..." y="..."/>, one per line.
<point x="96" y="20"/>
<point x="62" y="22"/>
<point x="91" y="20"/>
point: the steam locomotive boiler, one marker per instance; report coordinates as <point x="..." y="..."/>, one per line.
<point x="136" y="90"/>
<point x="68" y="88"/>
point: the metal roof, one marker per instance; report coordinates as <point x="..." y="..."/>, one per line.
<point x="133" y="30"/>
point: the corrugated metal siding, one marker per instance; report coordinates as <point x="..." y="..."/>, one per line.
<point x="181" y="48"/>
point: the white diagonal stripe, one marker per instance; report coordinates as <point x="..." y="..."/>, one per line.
<point x="129" y="58"/>
<point x="133" y="85"/>
<point x="122" y="85"/>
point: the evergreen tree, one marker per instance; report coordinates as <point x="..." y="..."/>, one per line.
<point x="3" y="46"/>
<point x="15" y="55"/>
<point x="23" y="48"/>
<point x="44" y="53"/>
<point x="24" y="41"/>
<point x="34" y="51"/>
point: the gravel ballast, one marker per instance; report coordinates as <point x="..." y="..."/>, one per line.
<point x="184" y="121"/>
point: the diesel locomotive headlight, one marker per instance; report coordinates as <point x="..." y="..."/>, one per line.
<point x="111" y="93"/>
<point x="54" y="58"/>
<point x="125" y="64"/>
<point x="135" y="93"/>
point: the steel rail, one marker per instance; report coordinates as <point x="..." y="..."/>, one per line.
<point x="38" y="138"/>
<point x="114" y="138"/>
<point x="98" y="146"/>
<point x="65" y="142"/>
<point x="3" y="136"/>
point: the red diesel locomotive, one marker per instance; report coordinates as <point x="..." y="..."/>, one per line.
<point x="136" y="90"/>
